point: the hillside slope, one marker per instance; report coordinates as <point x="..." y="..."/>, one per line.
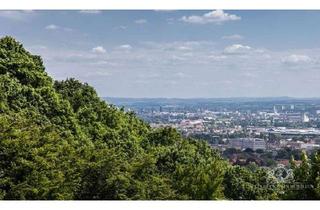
<point x="59" y="140"/>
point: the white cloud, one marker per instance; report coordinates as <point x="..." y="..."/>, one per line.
<point x="90" y="12"/>
<point x="233" y="37"/>
<point x="17" y="15"/>
<point x="120" y="27"/>
<point x="179" y="45"/>
<point x="203" y="71"/>
<point x="237" y="49"/>
<point x="56" y="27"/>
<point x="141" y="21"/>
<point x="184" y="48"/>
<point x="216" y="17"/>
<point x="124" y="47"/>
<point x="295" y="59"/>
<point x="217" y="57"/>
<point x="164" y="10"/>
<point x="52" y="27"/>
<point x="99" y="50"/>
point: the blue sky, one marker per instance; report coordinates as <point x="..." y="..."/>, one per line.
<point x="184" y="54"/>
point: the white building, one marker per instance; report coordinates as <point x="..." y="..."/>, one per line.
<point x="305" y="118"/>
<point x="252" y="143"/>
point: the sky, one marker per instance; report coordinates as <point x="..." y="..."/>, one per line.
<point x="176" y="54"/>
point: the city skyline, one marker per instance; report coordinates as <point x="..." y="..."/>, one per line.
<point x="176" y="54"/>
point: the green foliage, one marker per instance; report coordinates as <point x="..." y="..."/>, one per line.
<point x="251" y="183"/>
<point x="195" y="169"/>
<point x="61" y="141"/>
<point x="305" y="184"/>
<point x="21" y="65"/>
<point x="36" y="163"/>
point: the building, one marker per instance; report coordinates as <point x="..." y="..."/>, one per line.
<point x="252" y="143"/>
<point x="290" y="132"/>
<point x="309" y="146"/>
<point x="305" y="118"/>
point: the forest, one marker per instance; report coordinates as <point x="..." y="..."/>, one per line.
<point x="60" y="141"/>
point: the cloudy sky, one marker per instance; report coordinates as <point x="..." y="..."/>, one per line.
<point x="176" y="53"/>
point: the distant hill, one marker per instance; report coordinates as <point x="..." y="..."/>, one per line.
<point x="190" y="101"/>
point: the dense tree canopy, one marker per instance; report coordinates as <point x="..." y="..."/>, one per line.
<point x="305" y="184"/>
<point x="59" y="140"/>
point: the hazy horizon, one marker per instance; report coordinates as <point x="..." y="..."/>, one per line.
<point x="176" y="54"/>
<point x="235" y="97"/>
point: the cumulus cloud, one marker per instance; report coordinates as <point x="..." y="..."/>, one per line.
<point x="184" y="48"/>
<point x="124" y="47"/>
<point x="237" y="49"/>
<point x="56" y="27"/>
<point x="205" y="68"/>
<point x="52" y="27"/>
<point x="179" y="45"/>
<point x="233" y="37"/>
<point x="99" y="50"/>
<point x="215" y="17"/>
<point x="141" y="21"/>
<point x="94" y="12"/>
<point x="296" y="59"/>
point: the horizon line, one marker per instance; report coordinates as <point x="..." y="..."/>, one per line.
<point x="239" y="97"/>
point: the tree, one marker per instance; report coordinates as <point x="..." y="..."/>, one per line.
<point x="35" y="162"/>
<point x="241" y="183"/>
<point x="305" y="184"/>
<point x="61" y="141"/>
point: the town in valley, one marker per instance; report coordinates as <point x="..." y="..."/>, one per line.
<point x="264" y="131"/>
